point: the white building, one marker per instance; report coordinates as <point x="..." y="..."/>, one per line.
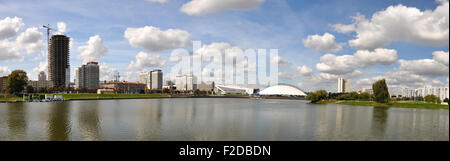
<point x="156" y="78"/>
<point x="282" y="90"/>
<point x="144" y="77"/>
<point x="232" y="89"/>
<point x="343" y="85"/>
<point x="186" y="83"/>
<point x="88" y="76"/>
<point x="441" y="92"/>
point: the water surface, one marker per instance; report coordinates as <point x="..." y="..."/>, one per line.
<point x="217" y="119"/>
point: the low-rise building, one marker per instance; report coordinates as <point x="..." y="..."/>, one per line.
<point x="105" y="91"/>
<point x="125" y="87"/>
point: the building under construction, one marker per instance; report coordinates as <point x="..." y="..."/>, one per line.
<point x="58" y="61"/>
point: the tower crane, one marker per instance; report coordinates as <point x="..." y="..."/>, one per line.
<point x="48" y="33"/>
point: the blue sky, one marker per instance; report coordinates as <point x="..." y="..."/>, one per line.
<point x="268" y="24"/>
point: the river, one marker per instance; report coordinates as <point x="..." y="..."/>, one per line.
<point x="217" y="119"/>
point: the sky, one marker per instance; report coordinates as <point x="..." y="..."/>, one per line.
<point x="402" y="41"/>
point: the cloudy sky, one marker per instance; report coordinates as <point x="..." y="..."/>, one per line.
<point x="404" y="41"/>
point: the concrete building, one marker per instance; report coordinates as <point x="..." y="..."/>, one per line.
<point x="156" y="78"/>
<point x="232" y="89"/>
<point x="125" y="87"/>
<point x="366" y="90"/>
<point x="208" y="87"/>
<point x="42" y="76"/>
<point x="58" y="60"/>
<point x="40" y="84"/>
<point x="88" y="76"/>
<point x="186" y="83"/>
<point x="343" y="85"/>
<point x="144" y="77"/>
<point x="3" y="81"/>
<point x="441" y="92"/>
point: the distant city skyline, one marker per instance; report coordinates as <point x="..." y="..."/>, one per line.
<point x="405" y="42"/>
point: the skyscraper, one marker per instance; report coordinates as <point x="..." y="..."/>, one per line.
<point x="88" y="76"/>
<point x="156" y="80"/>
<point x="58" y="61"/>
<point x="343" y="85"/>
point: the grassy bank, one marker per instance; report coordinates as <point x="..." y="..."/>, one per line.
<point x="410" y="104"/>
<point x="10" y="98"/>
<point x="88" y="96"/>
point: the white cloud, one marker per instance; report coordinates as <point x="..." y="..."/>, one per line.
<point x="9" y="27"/>
<point x="286" y="75"/>
<point x="379" y="56"/>
<point x="154" y="39"/>
<point x="43" y="66"/>
<point x="93" y="51"/>
<point x="30" y="40"/>
<point x="361" y="59"/>
<point x="8" y="52"/>
<point x="158" y="1"/>
<point x="144" y="60"/>
<point x="107" y="73"/>
<point x="441" y="57"/>
<point x="4" y="71"/>
<point x="62" y="28"/>
<point x="400" y="23"/>
<point x="203" y="7"/>
<point x="305" y="71"/>
<point x="325" y="43"/>
<point x="281" y="61"/>
<point x="424" y="67"/>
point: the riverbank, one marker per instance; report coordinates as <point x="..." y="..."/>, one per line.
<point x="93" y="96"/>
<point x="405" y="104"/>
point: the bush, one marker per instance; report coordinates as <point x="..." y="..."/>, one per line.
<point x="315" y="97"/>
<point x="381" y="91"/>
<point x="433" y="99"/>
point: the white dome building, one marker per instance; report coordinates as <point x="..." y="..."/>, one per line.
<point x="282" y="90"/>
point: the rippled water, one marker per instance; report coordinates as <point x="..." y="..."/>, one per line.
<point x="216" y="119"/>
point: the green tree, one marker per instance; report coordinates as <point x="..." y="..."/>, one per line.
<point x="364" y="96"/>
<point x="432" y="99"/>
<point x="381" y="91"/>
<point x="29" y="89"/>
<point x="17" y="81"/>
<point x="315" y="97"/>
<point x="446" y="100"/>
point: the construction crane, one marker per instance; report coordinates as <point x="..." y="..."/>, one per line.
<point x="48" y="33"/>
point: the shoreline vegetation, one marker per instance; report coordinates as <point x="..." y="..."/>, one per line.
<point x="87" y="96"/>
<point x="399" y="104"/>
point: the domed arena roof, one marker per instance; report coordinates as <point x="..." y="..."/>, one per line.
<point x="282" y="90"/>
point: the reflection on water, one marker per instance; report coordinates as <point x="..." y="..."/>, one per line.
<point x="216" y="119"/>
<point x="58" y="121"/>
<point x="16" y="121"/>
<point x="379" y="121"/>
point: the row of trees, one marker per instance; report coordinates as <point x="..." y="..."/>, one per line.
<point x="380" y="89"/>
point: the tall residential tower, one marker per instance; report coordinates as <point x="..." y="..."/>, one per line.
<point x="343" y="85"/>
<point x="58" y="61"/>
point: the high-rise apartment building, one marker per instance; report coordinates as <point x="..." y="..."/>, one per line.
<point x="144" y="77"/>
<point x="88" y="76"/>
<point x="343" y="85"/>
<point x="156" y="80"/>
<point x="3" y="81"/>
<point x="58" y="61"/>
<point x="186" y="83"/>
<point x="441" y="92"/>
